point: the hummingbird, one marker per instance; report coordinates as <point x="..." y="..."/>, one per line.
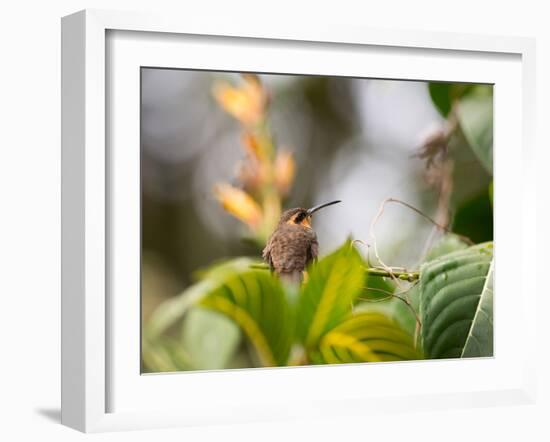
<point x="293" y="244"/>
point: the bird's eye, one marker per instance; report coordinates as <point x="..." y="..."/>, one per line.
<point x="299" y="218"/>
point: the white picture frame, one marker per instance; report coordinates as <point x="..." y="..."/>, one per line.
<point x="94" y="365"/>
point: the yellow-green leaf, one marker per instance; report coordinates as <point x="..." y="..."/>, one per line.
<point x="327" y="296"/>
<point x="365" y="337"/>
<point x="256" y="302"/>
<point x="173" y="309"/>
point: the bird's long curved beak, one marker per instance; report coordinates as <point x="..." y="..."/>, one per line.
<point x="314" y="209"/>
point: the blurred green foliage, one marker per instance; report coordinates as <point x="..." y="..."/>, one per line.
<point x="474" y="218"/>
<point x="475" y="115"/>
<point x="445" y="94"/>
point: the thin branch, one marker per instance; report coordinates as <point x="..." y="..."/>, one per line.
<point x="368" y="250"/>
<point x="373" y="271"/>
<point x="407" y="302"/>
<point x="259" y="266"/>
<point x="375" y="245"/>
<point x="374" y="289"/>
<point x="444" y="185"/>
<point x="414" y="209"/>
<point x="393" y="273"/>
<point x="435" y="223"/>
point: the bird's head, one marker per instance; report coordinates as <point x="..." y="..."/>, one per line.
<point x="301" y="216"/>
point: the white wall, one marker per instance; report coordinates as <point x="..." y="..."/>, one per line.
<point x="30" y="220"/>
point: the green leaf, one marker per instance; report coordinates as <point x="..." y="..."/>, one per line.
<point x="474" y="218"/>
<point x="172" y="310"/>
<point x="209" y="338"/>
<point x="439" y="92"/>
<point x="447" y="244"/>
<point x="475" y="115"/>
<point x="443" y="94"/>
<point x="365" y="337"/>
<point x="394" y="308"/>
<point x="377" y="288"/>
<point x="164" y="354"/>
<point x="402" y="313"/>
<point x="480" y="336"/>
<point x="399" y="310"/>
<point x="327" y="296"/>
<point x="451" y="290"/>
<point x="256" y="302"/>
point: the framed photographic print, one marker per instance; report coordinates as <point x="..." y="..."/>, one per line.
<point x="277" y="223"/>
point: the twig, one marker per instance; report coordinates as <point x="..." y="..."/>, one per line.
<point x="373" y="271"/>
<point x="407" y="302"/>
<point x="259" y="266"/>
<point x="374" y="289"/>
<point x="414" y="209"/>
<point x="444" y="187"/>
<point x="368" y="250"/>
<point x="393" y="273"/>
<point x="375" y="245"/>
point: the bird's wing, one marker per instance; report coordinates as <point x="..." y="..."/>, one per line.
<point x="313" y="251"/>
<point x="266" y="254"/>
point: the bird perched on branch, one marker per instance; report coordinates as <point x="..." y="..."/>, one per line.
<point x="293" y="244"/>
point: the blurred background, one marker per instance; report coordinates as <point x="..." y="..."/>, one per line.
<point x="358" y="140"/>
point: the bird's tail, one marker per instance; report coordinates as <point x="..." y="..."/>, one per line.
<point x="293" y="278"/>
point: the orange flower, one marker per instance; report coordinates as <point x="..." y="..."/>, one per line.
<point x="285" y="169"/>
<point x="251" y="174"/>
<point x="252" y="145"/>
<point x="239" y="204"/>
<point x="252" y="171"/>
<point x="246" y="103"/>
